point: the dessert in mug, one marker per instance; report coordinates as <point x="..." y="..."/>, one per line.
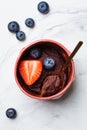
<point x="38" y="69"/>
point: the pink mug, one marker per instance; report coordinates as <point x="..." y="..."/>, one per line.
<point x="17" y="78"/>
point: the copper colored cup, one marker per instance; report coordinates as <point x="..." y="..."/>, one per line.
<point x="57" y="95"/>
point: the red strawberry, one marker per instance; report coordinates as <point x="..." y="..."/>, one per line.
<point x="30" y="70"/>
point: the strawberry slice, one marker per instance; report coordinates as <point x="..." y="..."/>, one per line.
<point x="30" y="70"/>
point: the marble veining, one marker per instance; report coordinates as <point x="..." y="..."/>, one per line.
<point x="66" y="23"/>
<point x="71" y="11"/>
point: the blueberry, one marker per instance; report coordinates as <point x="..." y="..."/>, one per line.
<point x="20" y="35"/>
<point x="29" y="22"/>
<point x="43" y="7"/>
<point x="49" y="63"/>
<point x="35" y="53"/>
<point x="13" y="27"/>
<point x="11" y="113"/>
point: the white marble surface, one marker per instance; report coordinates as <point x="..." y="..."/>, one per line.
<point x="66" y="23"/>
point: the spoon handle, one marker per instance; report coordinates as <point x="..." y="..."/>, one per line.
<point x="72" y="55"/>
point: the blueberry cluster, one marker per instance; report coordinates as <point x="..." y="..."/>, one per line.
<point x="14" y="27"/>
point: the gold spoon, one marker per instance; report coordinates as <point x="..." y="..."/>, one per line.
<point x="71" y="56"/>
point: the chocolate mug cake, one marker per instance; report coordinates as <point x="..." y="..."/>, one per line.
<point x="38" y="69"/>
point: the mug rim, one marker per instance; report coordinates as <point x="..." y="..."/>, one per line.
<point x="72" y="76"/>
